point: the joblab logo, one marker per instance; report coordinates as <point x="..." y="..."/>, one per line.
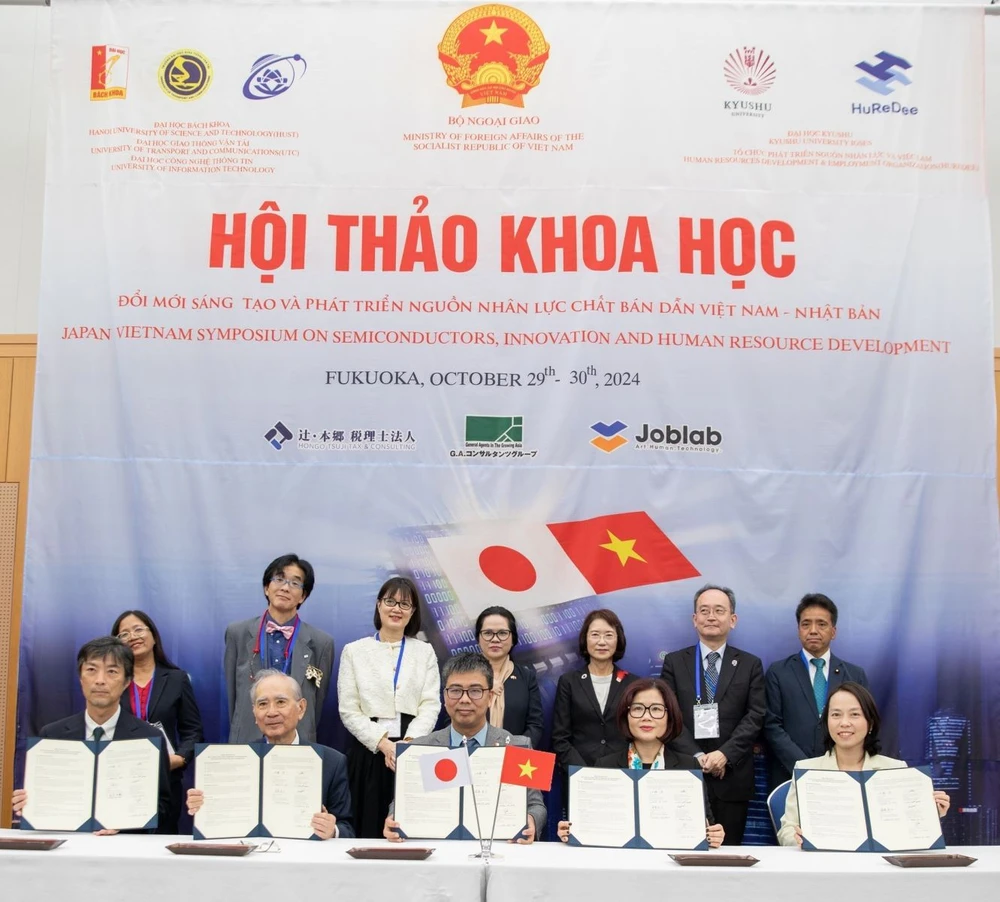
<point x="277" y="435"/>
<point x="679" y="438"/>
<point x="883" y="76"/>
<point x="608" y="438"/>
<point x="490" y="432"/>
<point x="272" y="75"/>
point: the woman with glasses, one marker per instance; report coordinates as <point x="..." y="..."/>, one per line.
<point x="648" y="719"/>
<point x="389" y="689"/>
<point x="516" y="703"/>
<point x="161" y="694"/>
<point x="279" y="639"/>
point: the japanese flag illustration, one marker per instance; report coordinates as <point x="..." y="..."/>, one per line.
<point x="448" y="770"/>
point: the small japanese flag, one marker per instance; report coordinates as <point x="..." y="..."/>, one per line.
<point x="446" y="770"/>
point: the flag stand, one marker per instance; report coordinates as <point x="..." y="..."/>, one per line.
<point x="485" y="852"/>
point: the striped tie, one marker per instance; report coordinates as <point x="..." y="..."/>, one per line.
<point x="712" y="674"/>
<point x="819" y="684"/>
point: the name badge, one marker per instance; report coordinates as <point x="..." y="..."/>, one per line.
<point x="394" y="726"/>
<point x="706" y="721"/>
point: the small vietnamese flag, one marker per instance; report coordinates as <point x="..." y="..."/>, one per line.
<point x="448" y="770"/>
<point x="527" y="767"/>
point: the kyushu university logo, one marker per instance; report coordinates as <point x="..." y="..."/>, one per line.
<point x="185" y="74"/>
<point x="272" y="75"/>
<point x="749" y="71"/>
<point x="108" y="72"/>
<point x="493" y="54"/>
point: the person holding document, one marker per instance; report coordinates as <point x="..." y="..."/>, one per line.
<point x="161" y="694"/>
<point x="649" y="718"/>
<point x="105" y="667"/>
<point x="852" y="744"/>
<point x="278" y="707"/>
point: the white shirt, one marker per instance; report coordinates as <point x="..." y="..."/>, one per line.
<point x="108" y="725"/>
<point x="602" y="688"/>
<point x="812" y="667"/>
<point x="705" y="651"/>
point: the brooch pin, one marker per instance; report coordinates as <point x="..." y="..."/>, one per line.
<point x="314" y="674"/>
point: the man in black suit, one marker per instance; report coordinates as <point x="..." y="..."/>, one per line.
<point x="798" y="687"/>
<point x="713" y="672"/>
<point x="105" y="666"/>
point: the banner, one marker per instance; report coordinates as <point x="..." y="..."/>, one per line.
<point x="558" y="306"/>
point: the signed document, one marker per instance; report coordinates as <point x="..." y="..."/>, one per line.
<point x="291" y="790"/>
<point x="128" y="783"/>
<point x="831" y="810"/>
<point x="421" y="814"/>
<point x="671" y="809"/>
<point x="229" y="775"/>
<point x="512" y="813"/>
<point x="902" y="810"/>
<point x="601" y="807"/>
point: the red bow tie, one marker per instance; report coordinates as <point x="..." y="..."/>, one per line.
<point x="287" y="630"/>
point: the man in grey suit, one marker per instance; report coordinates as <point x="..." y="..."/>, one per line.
<point x="278" y="640"/>
<point x="468" y="680"/>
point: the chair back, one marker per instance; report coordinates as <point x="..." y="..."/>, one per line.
<point x="776" y="803"/>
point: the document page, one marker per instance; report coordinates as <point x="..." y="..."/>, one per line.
<point x="831" y="810"/>
<point x="59" y="780"/>
<point x="420" y="814"/>
<point x="229" y="775"/>
<point x="291" y="790"/>
<point x="128" y="784"/>
<point x="671" y="809"/>
<point x="902" y="811"/>
<point x="512" y="815"/>
<point x="601" y="807"/>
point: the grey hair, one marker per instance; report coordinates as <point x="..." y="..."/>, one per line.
<point x="468" y="662"/>
<point x="262" y="675"/>
<point x="725" y="590"/>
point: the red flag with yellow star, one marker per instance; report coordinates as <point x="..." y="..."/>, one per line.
<point x="619" y="551"/>
<point x="527" y="767"/>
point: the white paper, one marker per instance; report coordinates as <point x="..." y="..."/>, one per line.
<point x="128" y="783"/>
<point x="671" y="809"/>
<point x="831" y="810"/>
<point x="902" y="810"/>
<point x="59" y="781"/>
<point x="601" y="807"/>
<point x="512" y="815"/>
<point x="291" y="790"/>
<point x="420" y="814"/>
<point x="229" y="776"/>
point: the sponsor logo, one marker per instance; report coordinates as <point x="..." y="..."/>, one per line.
<point x="493" y="54"/>
<point x="609" y="438"/>
<point x="493" y="437"/>
<point x="883" y="78"/>
<point x="389" y="439"/>
<point x="749" y="72"/>
<point x="108" y="72"/>
<point x="277" y="435"/>
<point x="185" y="74"/>
<point x="272" y="75"/>
<point x="678" y="438"/>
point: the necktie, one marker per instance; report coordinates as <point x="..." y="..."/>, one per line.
<point x="99" y="734"/>
<point x="472" y="744"/>
<point x="287" y="630"/>
<point x="819" y="684"/>
<point x="712" y="674"/>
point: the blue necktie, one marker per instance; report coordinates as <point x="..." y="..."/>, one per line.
<point x="98" y="734"/>
<point x="712" y="674"/>
<point x="819" y="684"/>
<point x="472" y="744"/>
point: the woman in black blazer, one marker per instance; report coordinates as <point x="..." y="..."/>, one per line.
<point x="516" y="704"/>
<point x="583" y="717"/>
<point x="161" y="694"/>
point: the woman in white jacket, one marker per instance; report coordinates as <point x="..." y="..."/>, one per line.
<point x="388" y="689"/>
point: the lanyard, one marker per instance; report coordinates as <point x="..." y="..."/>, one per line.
<point x="697" y="674"/>
<point x="136" y="709"/>
<point x="288" y="647"/>
<point x="399" y="661"/>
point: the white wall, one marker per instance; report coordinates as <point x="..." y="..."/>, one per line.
<point x="24" y="63"/>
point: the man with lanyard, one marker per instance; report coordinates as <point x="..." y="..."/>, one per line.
<point x="278" y="640"/>
<point x="720" y="689"/>
<point x="798" y="687"/>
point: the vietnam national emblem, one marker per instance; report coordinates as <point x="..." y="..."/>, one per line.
<point x="493" y="54"/>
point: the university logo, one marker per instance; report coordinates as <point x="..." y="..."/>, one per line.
<point x="491" y="432"/>
<point x="883" y="76"/>
<point x="272" y="75"/>
<point x="749" y="71"/>
<point x="609" y="438"/>
<point x="108" y="72"/>
<point x="493" y="54"/>
<point x="277" y="435"/>
<point x="185" y="74"/>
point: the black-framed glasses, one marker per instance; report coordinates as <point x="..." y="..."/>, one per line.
<point x="657" y="712"/>
<point x="400" y="603"/>
<point x="490" y="635"/>
<point x="277" y="581"/>
<point x="475" y="693"/>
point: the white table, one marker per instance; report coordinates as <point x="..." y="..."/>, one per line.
<point x="549" y="872"/>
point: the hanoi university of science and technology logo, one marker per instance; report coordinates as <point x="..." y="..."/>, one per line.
<point x="185" y="74"/>
<point x="493" y="54"/>
<point x="108" y="72"/>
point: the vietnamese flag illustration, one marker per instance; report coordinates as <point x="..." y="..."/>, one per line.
<point x="527" y="767"/>
<point x="529" y="565"/>
<point x="448" y="770"/>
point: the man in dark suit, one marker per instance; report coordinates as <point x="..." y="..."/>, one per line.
<point x="105" y="666"/>
<point x="713" y="672"/>
<point x="798" y="687"/>
<point x="280" y="640"/>
<point x="279" y="708"/>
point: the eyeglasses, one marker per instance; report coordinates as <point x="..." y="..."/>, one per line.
<point x="278" y="581"/>
<point x="607" y="637"/>
<point x="490" y="635"/>
<point x="403" y="605"/>
<point x="475" y="693"/>
<point x="268" y="845"/>
<point x="657" y="712"/>
<point x="138" y="632"/>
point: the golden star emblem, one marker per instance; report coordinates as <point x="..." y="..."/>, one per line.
<point x="493" y="34"/>
<point x="528" y="770"/>
<point x="624" y="548"/>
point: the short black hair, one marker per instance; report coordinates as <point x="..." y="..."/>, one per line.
<point x="288" y="560"/>
<point x="107" y="647"/>
<point x="611" y="618"/>
<point x="467" y="662"/>
<point x="498" y="611"/>
<point x="400" y="585"/>
<point x="675" y="720"/>
<point x="817" y="600"/>
<point x="159" y="655"/>
<point x="709" y="587"/>
<point x="868" y="708"/>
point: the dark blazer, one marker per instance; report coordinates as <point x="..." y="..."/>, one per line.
<point x="172" y="703"/>
<point x="522" y="704"/>
<point x="792" y="725"/>
<point x="742" y="706"/>
<point x="129" y="727"/>
<point x="672" y="760"/>
<point x="336" y="791"/>
<point x="581" y="732"/>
